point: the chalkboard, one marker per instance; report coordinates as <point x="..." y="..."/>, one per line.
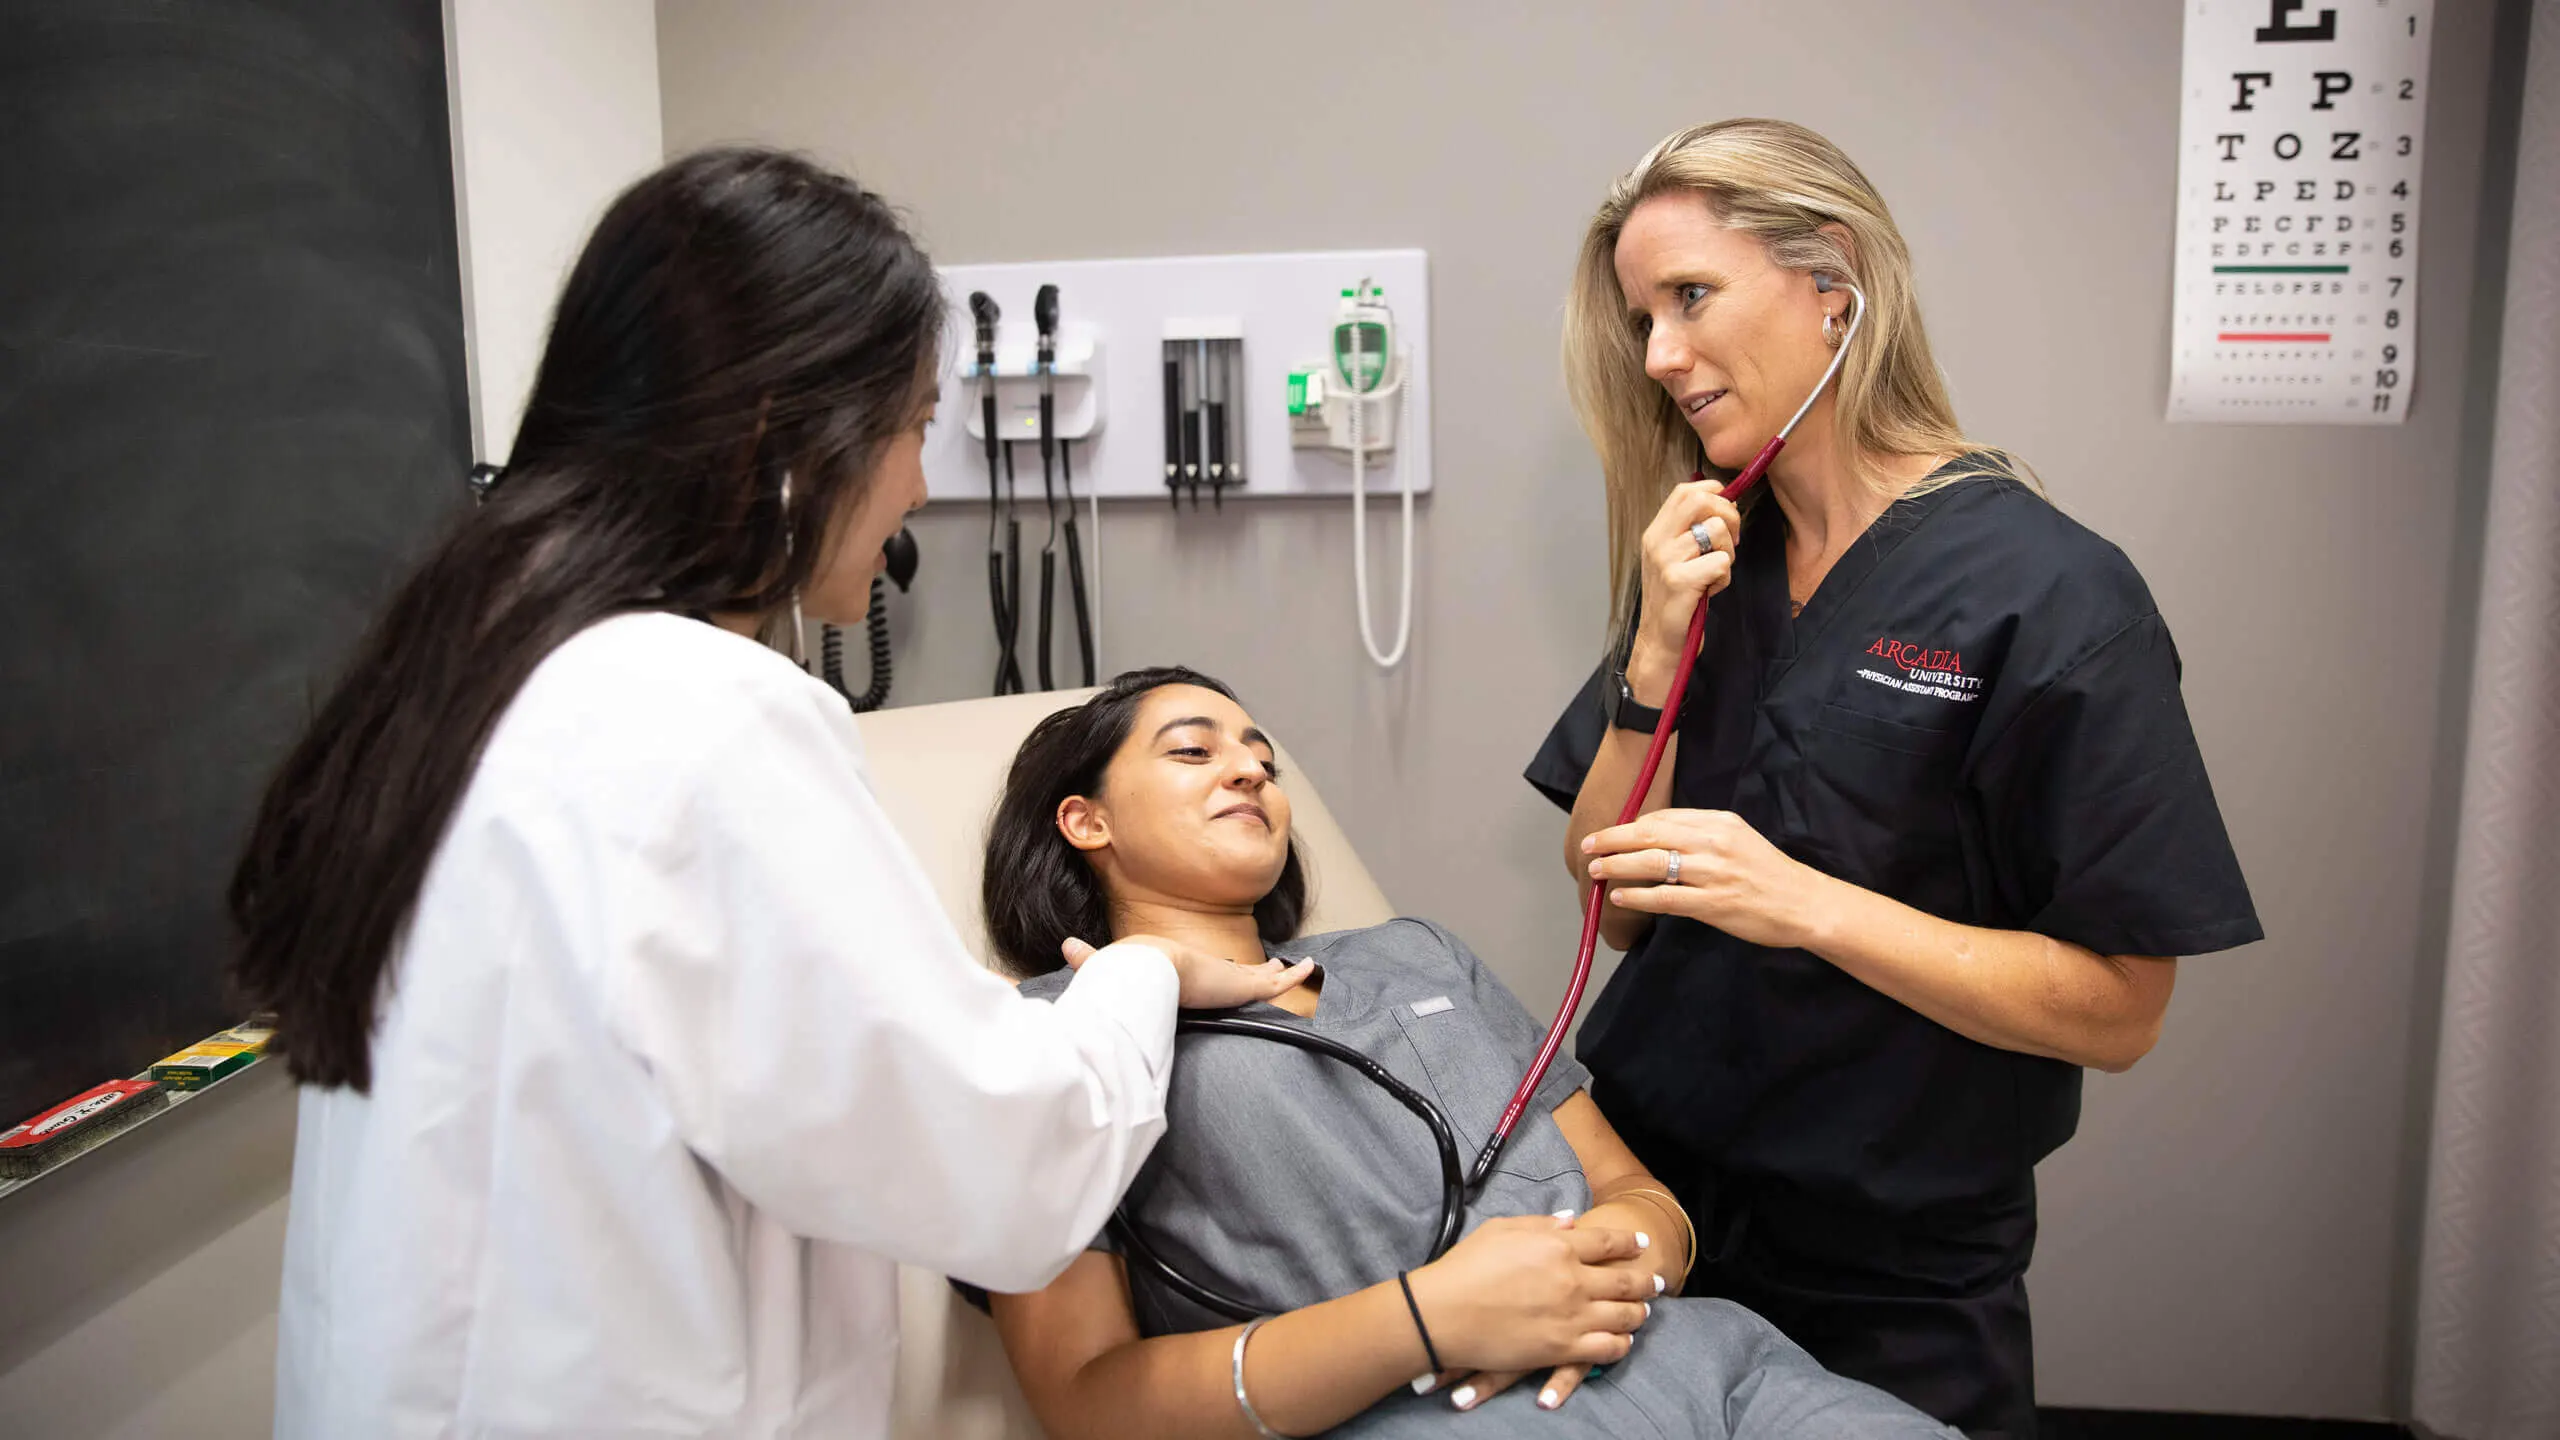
<point x="232" y="409"/>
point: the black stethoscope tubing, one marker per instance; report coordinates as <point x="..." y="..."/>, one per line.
<point x="1453" y="1183"/>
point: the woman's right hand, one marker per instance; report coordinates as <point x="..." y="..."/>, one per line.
<point x="1533" y="1291"/>
<point x="1678" y="577"/>
<point x="1208" y="982"/>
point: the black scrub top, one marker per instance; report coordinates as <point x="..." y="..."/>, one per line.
<point x="1977" y="714"/>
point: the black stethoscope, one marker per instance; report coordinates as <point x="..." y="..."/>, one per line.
<point x="1453" y="1185"/>
<point x="1455" y="1179"/>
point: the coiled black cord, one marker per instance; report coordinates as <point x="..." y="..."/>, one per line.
<point x="831" y="653"/>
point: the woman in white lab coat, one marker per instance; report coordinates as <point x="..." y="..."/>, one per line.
<point x="635" y="1048"/>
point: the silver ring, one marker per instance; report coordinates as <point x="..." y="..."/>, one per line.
<point x="1671" y="868"/>
<point x="1706" y="542"/>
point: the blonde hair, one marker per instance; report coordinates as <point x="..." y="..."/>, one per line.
<point x="1781" y="184"/>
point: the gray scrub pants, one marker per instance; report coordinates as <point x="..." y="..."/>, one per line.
<point x="1701" y="1370"/>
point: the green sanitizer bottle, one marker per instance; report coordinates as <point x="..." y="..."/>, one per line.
<point x="1364" y="339"/>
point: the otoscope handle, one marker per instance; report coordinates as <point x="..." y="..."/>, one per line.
<point x="1662" y="733"/>
<point x="1193" y="460"/>
<point x="1214" y="421"/>
<point x="1173" y="430"/>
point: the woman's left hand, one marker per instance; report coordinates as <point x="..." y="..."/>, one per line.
<point x="1729" y="875"/>
<point x="1469" y="1389"/>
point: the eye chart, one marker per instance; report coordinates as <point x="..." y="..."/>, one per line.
<point x="2301" y="127"/>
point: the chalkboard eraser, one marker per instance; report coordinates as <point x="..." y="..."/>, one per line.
<point x="75" y="1124"/>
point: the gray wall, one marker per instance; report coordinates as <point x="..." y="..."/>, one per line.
<point x="2222" y="1236"/>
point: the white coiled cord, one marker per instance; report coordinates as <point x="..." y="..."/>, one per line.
<point x="1388" y="658"/>
<point x="1094" y="501"/>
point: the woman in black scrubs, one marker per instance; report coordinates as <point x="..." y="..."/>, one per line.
<point x="1934" y="828"/>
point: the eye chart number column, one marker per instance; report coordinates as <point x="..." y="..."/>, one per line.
<point x="2301" y="129"/>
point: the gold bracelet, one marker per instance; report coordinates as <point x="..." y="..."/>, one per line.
<point x="1670" y="1206"/>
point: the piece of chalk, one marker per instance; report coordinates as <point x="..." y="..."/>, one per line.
<point x="72" y="1125"/>
<point x="253" y="1033"/>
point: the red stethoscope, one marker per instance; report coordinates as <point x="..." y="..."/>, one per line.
<point x="1454" y="1185"/>
<point x="1662" y="733"/>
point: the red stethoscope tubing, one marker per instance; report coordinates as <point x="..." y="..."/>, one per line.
<point x="1662" y="733"/>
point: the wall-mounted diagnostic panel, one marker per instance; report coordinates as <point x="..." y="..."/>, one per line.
<point x="1196" y="380"/>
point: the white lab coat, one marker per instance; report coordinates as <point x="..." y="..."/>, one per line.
<point x="678" y="1057"/>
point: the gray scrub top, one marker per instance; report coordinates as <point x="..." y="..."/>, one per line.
<point x="1287" y="1179"/>
<point x="1294" y="1179"/>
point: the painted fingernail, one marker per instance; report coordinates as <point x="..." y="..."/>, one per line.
<point x="1648" y="1310"/>
<point x="1426" y="1382"/>
<point x="1660" y="1284"/>
<point x="1643" y="1241"/>
<point x="1564" y="1214"/>
<point x="1464" y="1398"/>
<point x="1549" y="1399"/>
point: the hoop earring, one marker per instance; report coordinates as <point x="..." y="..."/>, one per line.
<point x="1833" y="332"/>
<point x="798" y="649"/>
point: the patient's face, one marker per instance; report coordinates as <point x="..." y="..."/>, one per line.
<point x="1190" y="811"/>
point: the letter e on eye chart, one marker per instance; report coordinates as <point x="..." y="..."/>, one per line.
<point x="2301" y="124"/>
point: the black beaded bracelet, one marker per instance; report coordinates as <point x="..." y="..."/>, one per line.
<point x="1428" y="1351"/>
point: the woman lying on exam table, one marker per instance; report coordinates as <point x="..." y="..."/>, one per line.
<point x="1286" y="1178"/>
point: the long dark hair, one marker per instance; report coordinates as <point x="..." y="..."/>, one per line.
<point x="1038" y="890"/>
<point x="739" y="317"/>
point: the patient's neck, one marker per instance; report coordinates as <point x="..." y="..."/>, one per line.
<point x="1212" y="930"/>
<point x="1232" y="933"/>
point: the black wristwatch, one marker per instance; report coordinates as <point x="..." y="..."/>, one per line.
<point x="1633" y="714"/>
